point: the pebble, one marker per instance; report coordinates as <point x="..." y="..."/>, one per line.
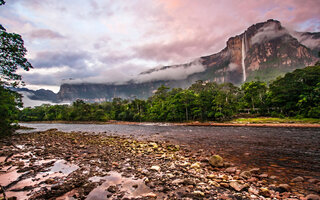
<point x="155" y="168"/>
<point x="298" y="179"/>
<point x="313" y="197"/>
<point x="245" y="174"/>
<point x="195" y="165"/>
<point x="231" y="169"/>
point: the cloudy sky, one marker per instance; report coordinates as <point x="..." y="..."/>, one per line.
<point x="105" y="41"/>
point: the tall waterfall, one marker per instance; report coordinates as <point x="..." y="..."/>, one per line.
<point x="243" y="56"/>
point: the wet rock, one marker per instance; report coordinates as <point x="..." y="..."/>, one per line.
<point x="245" y="174"/>
<point x="253" y="190"/>
<point x="153" y="145"/>
<point x="178" y="181"/>
<point x="198" y="193"/>
<point x="280" y="188"/>
<point x="50" y="181"/>
<point x="216" y="161"/>
<point x="264" y="192"/>
<point x="226" y="185"/>
<point x="112" y="189"/>
<point x="231" y="169"/>
<point x="237" y="186"/>
<point x="254" y="170"/>
<point x="150" y="195"/>
<point x="263" y="175"/>
<point x="211" y="176"/>
<point x="196" y="165"/>
<point x="313" y="180"/>
<point x="298" y="179"/>
<point x="214" y="183"/>
<point x="173" y="147"/>
<point x="312" y="197"/>
<point x="155" y="168"/>
<point x="284" y="188"/>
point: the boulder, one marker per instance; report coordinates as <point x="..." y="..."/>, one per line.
<point x="216" y="161"/>
<point x="313" y="197"/>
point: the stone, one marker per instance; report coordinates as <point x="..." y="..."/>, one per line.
<point x="245" y="174"/>
<point x="237" y="186"/>
<point x="254" y="170"/>
<point x="226" y="185"/>
<point x="214" y="183"/>
<point x="150" y="195"/>
<point x="177" y="181"/>
<point x="155" y="168"/>
<point x="231" y="169"/>
<point x="211" y="176"/>
<point x="253" y="190"/>
<point x="198" y="193"/>
<point x="263" y="175"/>
<point x="216" y="161"/>
<point x="153" y="145"/>
<point x="312" y="197"/>
<point x="196" y="165"/>
<point x="284" y="188"/>
<point x="112" y="189"/>
<point x="313" y="180"/>
<point x="264" y="192"/>
<point x="298" y="179"/>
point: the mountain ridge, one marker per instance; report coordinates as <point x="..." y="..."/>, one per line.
<point x="263" y="51"/>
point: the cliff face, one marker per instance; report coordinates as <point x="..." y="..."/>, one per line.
<point x="264" y="51"/>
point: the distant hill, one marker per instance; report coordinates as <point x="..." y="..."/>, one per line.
<point x="41" y="95"/>
<point x="264" y="51"/>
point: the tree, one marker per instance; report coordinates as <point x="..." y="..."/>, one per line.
<point x="296" y="93"/>
<point x="12" y="57"/>
<point x="254" y="94"/>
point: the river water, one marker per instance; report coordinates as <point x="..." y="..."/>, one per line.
<point x="284" y="152"/>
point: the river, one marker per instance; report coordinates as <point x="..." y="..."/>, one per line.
<point x="284" y="152"/>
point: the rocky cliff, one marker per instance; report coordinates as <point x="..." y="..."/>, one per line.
<point x="263" y="51"/>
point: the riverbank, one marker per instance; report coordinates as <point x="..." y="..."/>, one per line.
<point x="59" y="165"/>
<point x="250" y="122"/>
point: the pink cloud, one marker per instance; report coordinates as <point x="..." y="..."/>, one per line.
<point x="195" y="28"/>
<point x="45" y="34"/>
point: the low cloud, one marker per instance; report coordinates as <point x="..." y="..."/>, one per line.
<point x="27" y="102"/>
<point x="178" y="72"/>
<point x="309" y="40"/>
<point x="267" y="33"/>
<point x="233" y="67"/>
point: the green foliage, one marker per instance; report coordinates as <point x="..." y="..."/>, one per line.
<point x="254" y="95"/>
<point x="296" y="94"/>
<point x="8" y="110"/>
<point x="12" y="57"/>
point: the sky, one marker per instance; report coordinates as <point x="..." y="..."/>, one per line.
<point x="109" y="40"/>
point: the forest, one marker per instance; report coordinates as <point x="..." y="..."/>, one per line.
<point x="297" y="95"/>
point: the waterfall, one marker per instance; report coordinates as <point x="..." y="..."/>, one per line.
<point x="243" y="56"/>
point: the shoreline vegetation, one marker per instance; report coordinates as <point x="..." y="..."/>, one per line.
<point x="91" y="165"/>
<point x="251" y="122"/>
<point x="292" y="99"/>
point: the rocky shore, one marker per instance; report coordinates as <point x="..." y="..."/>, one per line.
<point x="77" y="165"/>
